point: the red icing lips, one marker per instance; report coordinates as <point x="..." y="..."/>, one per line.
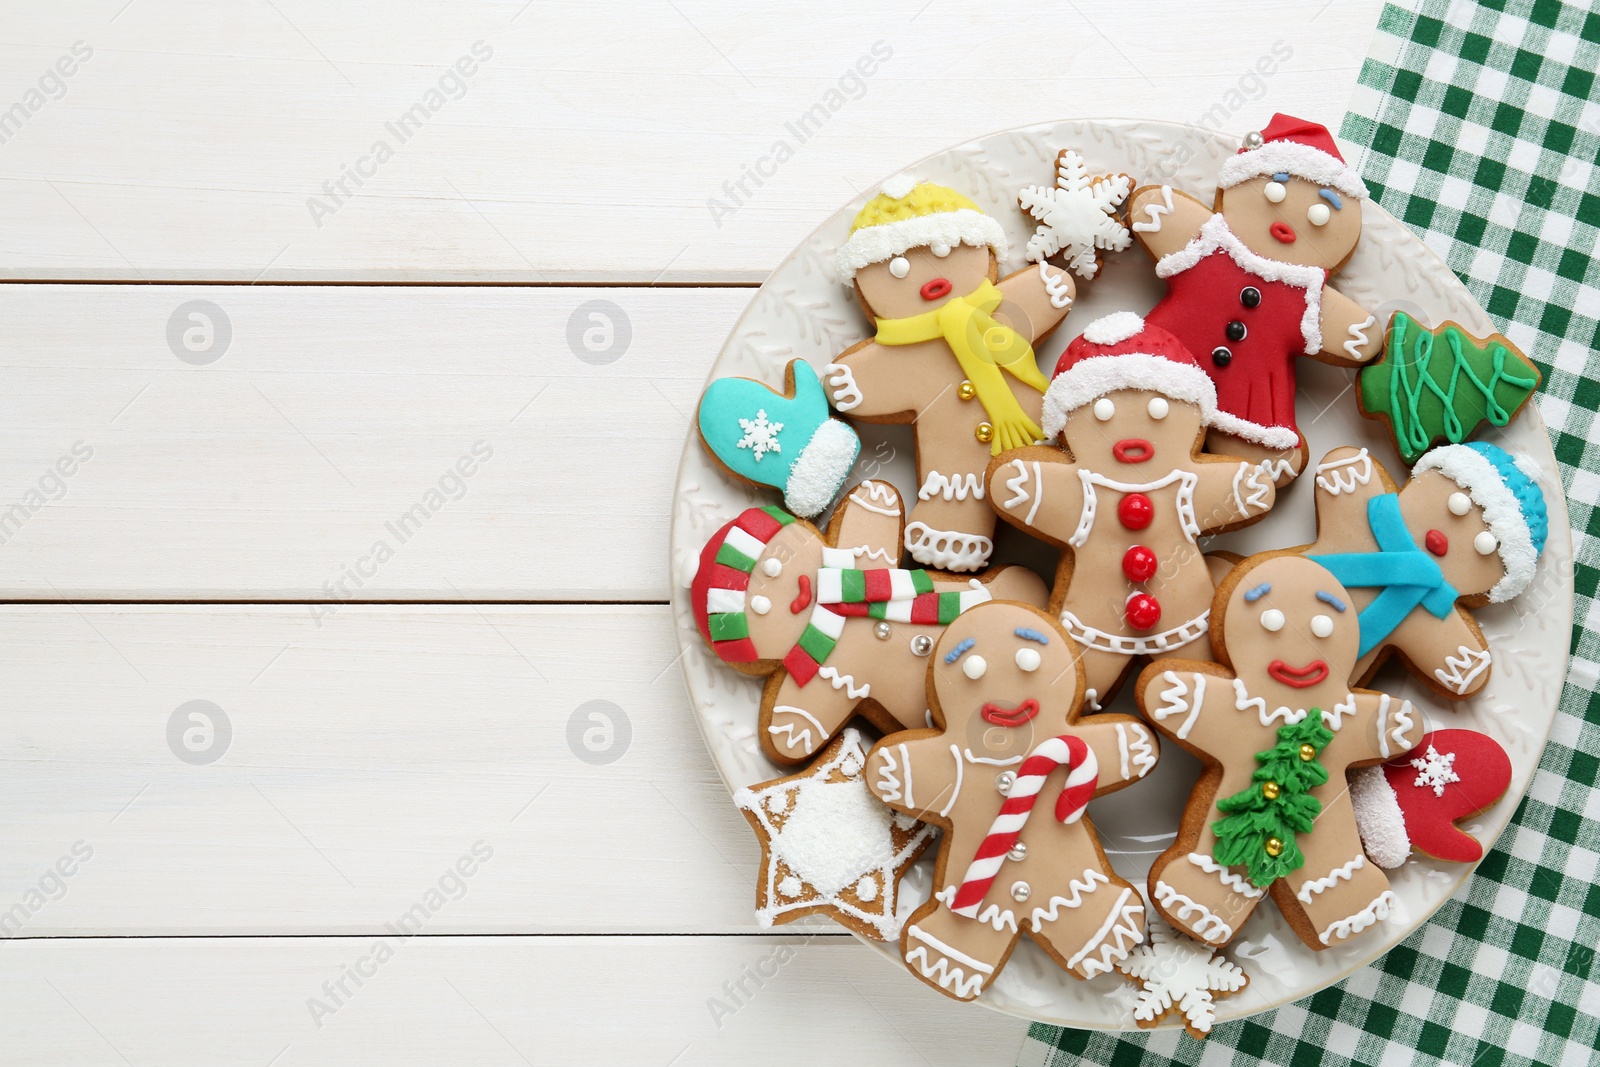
<point x="1298" y="677"/>
<point x="1282" y="232"/>
<point x="934" y="290"/>
<point x="1436" y="542"/>
<point x="998" y="716"/>
<point x="1133" y="450"/>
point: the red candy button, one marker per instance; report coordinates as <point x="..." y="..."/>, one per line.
<point x="1135" y="512"/>
<point x="1143" y="611"/>
<point x="1139" y="564"/>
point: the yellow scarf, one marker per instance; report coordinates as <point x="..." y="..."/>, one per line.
<point x="983" y="347"/>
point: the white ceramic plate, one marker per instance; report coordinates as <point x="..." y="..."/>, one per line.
<point x="802" y="311"/>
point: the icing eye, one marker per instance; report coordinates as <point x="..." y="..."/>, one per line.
<point x="899" y="266"/>
<point x="1322" y="625"/>
<point x="1272" y="620"/>
<point x="760" y="605"/>
<point x="974" y="666"/>
<point x="1104" y="409"/>
<point x="772" y="567"/>
<point x="1460" y="503"/>
<point x="1276" y="191"/>
<point x="1319" y="214"/>
<point x="1485" y="543"/>
<point x="1159" y="407"/>
<point x="1028" y="659"/>
<point x="940" y="249"/>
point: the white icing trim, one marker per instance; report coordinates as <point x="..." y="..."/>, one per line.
<point x="1321" y="885"/>
<point x="945" y="971"/>
<point x="994" y="915"/>
<point x="951" y="487"/>
<point x="1007" y="762"/>
<point x="1059" y="292"/>
<point x="1113" y="329"/>
<point x="874" y="244"/>
<point x="1334" y="717"/>
<point x="1279" y="437"/>
<point x="1277" y="468"/>
<point x="1155" y="211"/>
<point x="1461" y="670"/>
<point x="1501" y="512"/>
<point x="1358" y="337"/>
<point x="1051" y="912"/>
<point x="1243" y="701"/>
<point x="789" y="728"/>
<point x="1109" y="938"/>
<point x="955" y="790"/>
<point x="1095" y="376"/>
<point x="1142" y="750"/>
<point x="877" y="491"/>
<point x="1017" y="485"/>
<point x="888" y="782"/>
<point x="1175" y="698"/>
<point x="1341" y="476"/>
<point x="1402" y="726"/>
<point x="1230" y="881"/>
<point x="1186" y="480"/>
<point x="846" y="682"/>
<point x="1292" y="157"/>
<point x="1165" y="641"/>
<point x="1258" y="491"/>
<point x="949" y="550"/>
<point x="1181" y="907"/>
<point x="1376" y="912"/>
<point x="1379" y="820"/>
<point x="1122" y="749"/>
<point x="842" y="380"/>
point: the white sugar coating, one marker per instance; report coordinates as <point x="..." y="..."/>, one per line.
<point x="867" y="890"/>
<point x="1378" y="817"/>
<point x="899" y="187"/>
<point x="778" y="803"/>
<point x="790" y="887"/>
<point x="836" y="832"/>
<point x="1113" y="329"/>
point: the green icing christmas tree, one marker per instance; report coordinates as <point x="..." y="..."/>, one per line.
<point x="1440" y="385"/>
<point x="1277" y="805"/>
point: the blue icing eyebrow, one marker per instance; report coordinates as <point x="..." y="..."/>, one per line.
<point x="1253" y="595"/>
<point x="1331" y="600"/>
<point x="1032" y="635"/>
<point x="1281" y="176"/>
<point x="1331" y="197"/>
<point x="959" y="651"/>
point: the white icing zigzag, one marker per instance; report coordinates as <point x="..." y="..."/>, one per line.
<point x="1056" y="288"/>
<point x="1226" y="877"/>
<point x="1257" y="497"/>
<point x="1208" y="927"/>
<point x="846" y="394"/>
<point x="1276" y="468"/>
<point x="1331" y="879"/>
<point x="846" y="682"/>
<point x="1461" y="670"/>
<point x="1243" y="701"/>
<point x="1332" y="718"/>
<point x="1358" y="337"/>
<point x="951" y="487"/>
<point x="1141" y="750"/>
<point x="945" y="971"/>
<point x="1392" y="740"/>
<point x="1175" y="699"/>
<point x="803" y="738"/>
<point x="1377" y="911"/>
<point x="1052" y="912"/>
<point x="1017" y="485"/>
<point x="1155" y="211"/>
<point x="1114" y="940"/>
<point x="888" y="781"/>
<point x="1343" y="475"/>
<point x="996" y="916"/>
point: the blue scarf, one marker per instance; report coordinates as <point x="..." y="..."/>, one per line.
<point x="1408" y="576"/>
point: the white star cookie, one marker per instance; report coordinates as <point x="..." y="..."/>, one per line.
<point x="1077" y="216"/>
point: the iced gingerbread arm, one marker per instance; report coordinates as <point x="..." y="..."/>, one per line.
<point x="798" y="720"/>
<point x="1032" y="488"/>
<point x="1231" y="493"/>
<point x="1202" y="711"/>
<point x="1387" y="726"/>
<point x="920" y="776"/>
<point x="1346" y="479"/>
<point x="1452" y="651"/>
<point x="874" y="382"/>
<point x="1037" y="298"/>
<point x="868" y="526"/>
<point x="1351" y="334"/>
<point x="1125" y="749"/>
<point x="1163" y="219"/>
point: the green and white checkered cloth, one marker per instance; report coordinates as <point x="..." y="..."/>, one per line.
<point x="1481" y="129"/>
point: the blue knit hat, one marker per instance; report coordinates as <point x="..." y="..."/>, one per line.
<point x="1506" y="488"/>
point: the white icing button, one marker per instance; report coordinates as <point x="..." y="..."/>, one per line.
<point x="772" y="567"/>
<point x="1319" y="214"/>
<point x="1104" y="409"/>
<point x="1322" y="625"/>
<point x="974" y="666"/>
<point x="899" y="266"/>
<point x="1018" y="852"/>
<point x="1485" y="543"/>
<point x="882" y="630"/>
<point x="1028" y="659"/>
<point x="1276" y="191"/>
<point x="940" y="249"/>
<point x="1004" y="781"/>
<point x="921" y="645"/>
<point x="760" y="604"/>
<point x="1020" y="891"/>
<point x="1272" y="620"/>
<point x="1159" y="407"/>
<point x="866" y="890"/>
<point x="1460" y="503"/>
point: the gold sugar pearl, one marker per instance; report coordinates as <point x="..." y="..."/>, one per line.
<point x="966" y="391"/>
<point x="1274" y="846"/>
<point x="984" y="433"/>
<point x="1270" y="790"/>
<point x="1308" y="752"/>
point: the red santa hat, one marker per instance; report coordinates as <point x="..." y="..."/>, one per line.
<point x="1121" y="352"/>
<point x="1296" y="147"/>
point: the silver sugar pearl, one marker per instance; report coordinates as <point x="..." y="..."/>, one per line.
<point x="921" y="645"/>
<point x="1019" y="851"/>
<point x="1004" y="781"/>
<point x="1020" y="891"/>
<point x="882" y="630"/>
<point x="1252" y="139"/>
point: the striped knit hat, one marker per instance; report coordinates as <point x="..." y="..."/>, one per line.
<point x="719" y="585"/>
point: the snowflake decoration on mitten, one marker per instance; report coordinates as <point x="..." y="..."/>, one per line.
<point x="1438" y="770"/>
<point x="1175" y="969"/>
<point x="760" y="436"/>
<point x="1078" y="216"/>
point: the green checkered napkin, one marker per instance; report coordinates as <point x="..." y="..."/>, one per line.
<point x="1481" y="129"/>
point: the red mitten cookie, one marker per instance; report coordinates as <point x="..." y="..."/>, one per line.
<point x="1415" y="802"/>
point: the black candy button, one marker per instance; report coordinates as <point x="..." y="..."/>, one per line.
<point x="1250" y="296"/>
<point x="1222" y="355"/>
<point x="1236" y="330"/>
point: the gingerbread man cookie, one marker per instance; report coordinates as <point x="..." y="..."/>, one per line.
<point x="953" y="353"/>
<point x="1277" y="732"/>
<point x="1130" y="497"/>
<point x="1247" y="279"/>
<point x="1007" y="770"/>
<point x="832" y="621"/>
<point x="1466" y="530"/>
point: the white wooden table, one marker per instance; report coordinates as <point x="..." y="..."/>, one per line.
<point x="193" y="495"/>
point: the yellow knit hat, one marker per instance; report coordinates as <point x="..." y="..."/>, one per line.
<point x="909" y="215"/>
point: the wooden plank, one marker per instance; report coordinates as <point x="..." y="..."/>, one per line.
<point x="329" y="414"/>
<point x="360" y="762"/>
<point x="489" y="1001"/>
<point x="581" y="146"/>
